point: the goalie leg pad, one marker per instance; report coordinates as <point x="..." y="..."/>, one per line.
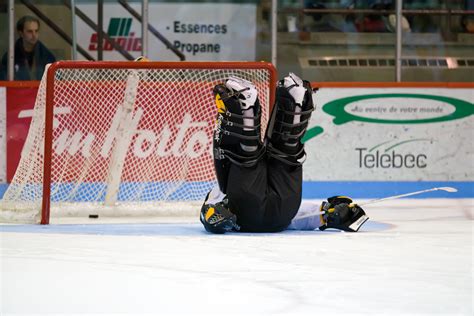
<point x="236" y="137"/>
<point x="289" y="120"/>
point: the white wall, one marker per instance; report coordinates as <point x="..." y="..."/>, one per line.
<point x="391" y="134"/>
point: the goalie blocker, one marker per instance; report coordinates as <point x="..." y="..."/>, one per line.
<point x="260" y="183"/>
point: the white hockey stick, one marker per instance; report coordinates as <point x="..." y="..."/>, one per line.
<point x="446" y="189"/>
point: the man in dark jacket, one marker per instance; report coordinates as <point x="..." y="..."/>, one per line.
<point x="31" y="56"/>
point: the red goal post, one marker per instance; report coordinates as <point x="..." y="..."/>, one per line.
<point x="110" y="133"/>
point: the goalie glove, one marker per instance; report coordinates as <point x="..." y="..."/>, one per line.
<point x="216" y="216"/>
<point x="340" y="213"/>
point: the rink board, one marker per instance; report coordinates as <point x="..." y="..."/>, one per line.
<point x="316" y="190"/>
<point x="390" y="138"/>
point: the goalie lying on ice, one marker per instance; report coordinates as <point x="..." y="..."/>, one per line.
<point x="260" y="183"/>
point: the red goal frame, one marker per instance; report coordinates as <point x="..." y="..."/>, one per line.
<point x="48" y="138"/>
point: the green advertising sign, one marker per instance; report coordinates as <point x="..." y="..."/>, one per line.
<point x="338" y="109"/>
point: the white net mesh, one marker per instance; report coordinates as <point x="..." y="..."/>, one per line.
<point x="124" y="136"/>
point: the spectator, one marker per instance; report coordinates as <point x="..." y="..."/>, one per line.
<point x="31" y="56"/>
<point x="468" y="20"/>
<point x="331" y="22"/>
<point x="375" y="22"/>
<point x="425" y="23"/>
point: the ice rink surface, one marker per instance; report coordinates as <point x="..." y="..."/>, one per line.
<point x="413" y="257"/>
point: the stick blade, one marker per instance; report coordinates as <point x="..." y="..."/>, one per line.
<point x="448" y="189"/>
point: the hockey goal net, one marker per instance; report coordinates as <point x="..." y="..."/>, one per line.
<point x="120" y="138"/>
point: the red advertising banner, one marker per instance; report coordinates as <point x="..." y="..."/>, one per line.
<point x="161" y="139"/>
<point x="20" y="104"/>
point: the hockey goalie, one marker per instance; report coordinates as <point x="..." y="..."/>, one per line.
<point x="260" y="182"/>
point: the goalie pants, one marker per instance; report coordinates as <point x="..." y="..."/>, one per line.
<point x="265" y="197"/>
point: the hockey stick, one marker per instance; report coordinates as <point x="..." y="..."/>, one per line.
<point x="446" y="189"/>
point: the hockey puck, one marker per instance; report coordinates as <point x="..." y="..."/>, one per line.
<point x="93" y="216"/>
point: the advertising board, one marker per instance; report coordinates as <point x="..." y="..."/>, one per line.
<point x="195" y="29"/>
<point x="363" y="142"/>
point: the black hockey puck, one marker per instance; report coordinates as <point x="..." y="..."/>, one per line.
<point x="93" y="216"/>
